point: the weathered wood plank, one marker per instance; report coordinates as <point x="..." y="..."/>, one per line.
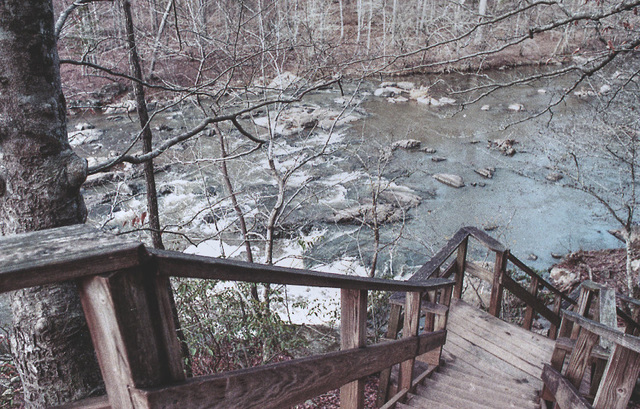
<point x="516" y="289"/>
<point x="518" y="263"/>
<point x="529" y="313"/>
<point x="175" y="264"/>
<point x="580" y="357"/>
<point x="392" y="333"/>
<point x="55" y="255"/>
<point x="410" y="329"/>
<point x="286" y="383"/>
<point x="619" y="379"/>
<point x="353" y="334"/>
<point x="477" y="271"/>
<point x="123" y="318"/>
<point x="500" y="272"/>
<point x="567" y="345"/>
<point x="460" y="264"/>
<point x="565" y="393"/>
<point x="432" y="266"/>
<point x="628" y="341"/>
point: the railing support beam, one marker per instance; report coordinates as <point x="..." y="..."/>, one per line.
<point x="353" y="334"/>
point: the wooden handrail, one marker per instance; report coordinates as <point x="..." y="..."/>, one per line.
<point x="286" y="383"/>
<point x="62" y="254"/>
<point x="518" y="263"/>
<point x="175" y="264"/>
<point x="488" y="241"/>
<point x="628" y="341"/>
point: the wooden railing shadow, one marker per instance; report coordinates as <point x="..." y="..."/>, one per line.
<point x="125" y="293"/>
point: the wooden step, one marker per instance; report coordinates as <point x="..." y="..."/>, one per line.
<point x="478" y="398"/>
<point x="420" y="402"/>
<point x="464" y="381"/>
<point x="481" y="393"/>
<point x="425" y="397"/>
<point x="488" y="362"/>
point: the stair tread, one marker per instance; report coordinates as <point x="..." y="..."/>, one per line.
<point x="480" y="399"/>
<point x="496" y="391"/>
<point x="461" y="376"/>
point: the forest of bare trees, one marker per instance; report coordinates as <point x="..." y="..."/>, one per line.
<point x="221" y="57"/>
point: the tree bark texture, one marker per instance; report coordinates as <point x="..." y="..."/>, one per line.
<point x="41" y="178"/>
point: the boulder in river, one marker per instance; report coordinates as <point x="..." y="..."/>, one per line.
<point x="516" y="107"/>
<point x="504" y="145"/>
<point x="408" y="144"/>
<point x="486" y="173"/>
<point x="449" y="179"/>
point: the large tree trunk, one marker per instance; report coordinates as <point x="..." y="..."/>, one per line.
<point x="41" y="178"/>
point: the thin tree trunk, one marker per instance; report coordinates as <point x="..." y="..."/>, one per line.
<point x="156" y="44"/>
<point x="236" y="207"/>
<point x="41" y="189"/>
<point x="147" y="136"/>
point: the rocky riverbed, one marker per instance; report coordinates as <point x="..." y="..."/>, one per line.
<point x="403" y="157"/>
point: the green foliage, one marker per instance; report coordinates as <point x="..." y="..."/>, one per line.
<point x="225" y="329"/>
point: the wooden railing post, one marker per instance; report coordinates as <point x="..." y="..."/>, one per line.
<point x="529" y="313"/>
<point x="353" y="334"/>
<point x="393" y="327"/>
<point x="410" y="329"/>
<point x="500" y="269"/>
<point x="461" y="258"/>
<point x="619" y="379"/>
<point x="135" y="341"/>
<point x="557" y="306"/>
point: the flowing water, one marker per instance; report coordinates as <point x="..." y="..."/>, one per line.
<point x="519" y="206"/>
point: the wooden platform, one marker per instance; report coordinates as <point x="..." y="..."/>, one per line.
<point x="488" y="363"/>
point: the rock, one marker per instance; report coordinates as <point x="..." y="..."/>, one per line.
<point x="384" y="92"/>
<point x="438" y="159"/>
<point x="123" y="107"/>
<point x="486" y="173"/>
<point x="284" y="81"/>
<point x="446" y="101"/>
<point x="542" y="91"/>
<point x="515" y="107"/>
<point x="556" y="255"/>
<point x="605" y="89"/>
<point x="424" y="100"/>
<point x="554" y="177"/>
<point x="563" y="279"/>
<point x="418" y="93"/>
<point x="482" y="184"/>
<point x="489" y="226"/>
<point x="84" y="126"/>
<point x="385" y="84"/>
<point x="449" y="179"/>
<point x="485" y="107"/>
<point x="505" y="145"/>
<point x="532" y="257"/>
<point x="428" y="150"/>
<point x="406" y="144"/>
<point x="165" y="190"/>
<point x="434" y="102"/>
<point x="397" y="100"/>
<point x="406" y="85"/>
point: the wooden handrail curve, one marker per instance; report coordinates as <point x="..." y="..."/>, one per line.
<point x="176" y="264"/>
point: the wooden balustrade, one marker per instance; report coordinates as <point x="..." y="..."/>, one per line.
<point x="610" y="389"/>
<point x="127" y="302"/>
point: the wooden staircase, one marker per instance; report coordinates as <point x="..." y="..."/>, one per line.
<point x="487" y="364"/>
